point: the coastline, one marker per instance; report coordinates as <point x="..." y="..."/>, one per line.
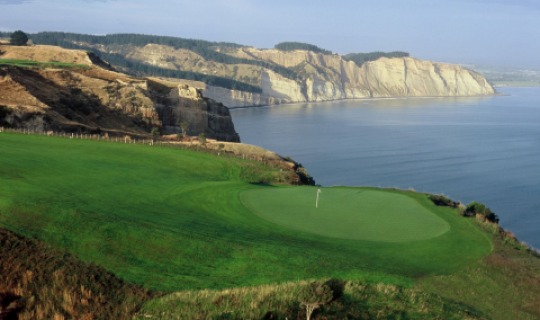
<point x="315" y="161"/>
<point x="496" y="94"/>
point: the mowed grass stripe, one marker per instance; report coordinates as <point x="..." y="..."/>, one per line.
<point x="347" y="213"/>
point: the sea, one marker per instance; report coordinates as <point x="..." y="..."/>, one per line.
<point x="484" y="149"/>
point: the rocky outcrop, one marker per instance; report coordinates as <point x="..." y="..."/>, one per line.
<point x="182" y="103"/>
<point x="90" y="98"/>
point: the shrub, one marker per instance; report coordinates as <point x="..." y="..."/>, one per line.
<point x="18" y="38"/>
<point x="337" y="286"/>
<point x="184" y="125"/>
<point x="315" y="295"/>
<point x="155" y="133"/>
<point x="475" y="208"/>
<point x="291" y="46"/>
<point x="202" y="138"/>
<point x="442" y="201"/>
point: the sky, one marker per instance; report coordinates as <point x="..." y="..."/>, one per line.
<point x="486" y="33"/>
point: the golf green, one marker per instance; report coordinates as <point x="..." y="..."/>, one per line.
<point x="346" y="213"/>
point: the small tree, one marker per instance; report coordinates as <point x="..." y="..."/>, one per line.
<point x="155" y="133"/>
<point x="474" y="208"/>
<point x="18" y="38"/>
<point x="315" y="295"/>
<point x="184" y="125"/>
<point x="202" y="138"/>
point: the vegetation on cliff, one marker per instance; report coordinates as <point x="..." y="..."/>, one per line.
<point x="361" y="58"/>
<point x="18" y="38"/>
<point x="291" y="46"/>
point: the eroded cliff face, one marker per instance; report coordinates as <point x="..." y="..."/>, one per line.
<point x="91" y="99"/>
<point x="409" y="77"/>
<point x="330" y="77"/>
<point x="244" y="76"/>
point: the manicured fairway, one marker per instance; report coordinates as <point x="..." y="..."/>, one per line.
<point x="172" y="219"/>
<point x="347" y="213"/>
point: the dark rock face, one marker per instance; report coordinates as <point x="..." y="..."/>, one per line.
<point x="202" y="115"/>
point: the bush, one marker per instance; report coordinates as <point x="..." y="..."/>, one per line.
<point x="442" y="201"/>
<point x="361" y="58"/>
<point x="18" y="38"/>
<point x="475" y="208"/>
<point x="291" y="46"/>
<point x="337" y="286"/>
<point x="202" y="139"/>
<point x="155" y="133"/>
<point x="315" y="295"/>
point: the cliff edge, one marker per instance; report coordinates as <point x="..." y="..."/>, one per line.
<point x="46" y="88"/>
<point x="324" y="77"/>
<point x="239" y="75"/>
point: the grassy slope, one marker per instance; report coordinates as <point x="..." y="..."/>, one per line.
<point x="147" y="214"/>
<point x="504" y="285"/>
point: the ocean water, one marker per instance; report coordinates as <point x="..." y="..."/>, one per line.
<point x="485" y="149"/>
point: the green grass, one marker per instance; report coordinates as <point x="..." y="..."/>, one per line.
<point x="36" y="64"/>
<point x="504" y="285"/>
<point x="347" y="213"/>
<point x="172" y="219"/>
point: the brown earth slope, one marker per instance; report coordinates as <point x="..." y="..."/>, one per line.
<point x="38" y="282"/>
<point x="88" y="97"/>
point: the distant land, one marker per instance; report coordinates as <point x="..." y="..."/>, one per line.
<point x="239" y="75"/>
<point x="505" y="77"/>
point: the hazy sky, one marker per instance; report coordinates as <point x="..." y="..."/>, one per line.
<point x="481" y="32"/>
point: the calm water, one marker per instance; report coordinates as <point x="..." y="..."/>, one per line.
<point x="484" y="149"/>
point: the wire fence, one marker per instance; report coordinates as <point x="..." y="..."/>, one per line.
<point x="193" y="144"/>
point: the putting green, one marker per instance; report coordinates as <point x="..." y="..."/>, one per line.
<point x="346" y="213"/>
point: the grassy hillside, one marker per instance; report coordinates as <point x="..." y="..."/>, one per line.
<point x="169" y="219"/>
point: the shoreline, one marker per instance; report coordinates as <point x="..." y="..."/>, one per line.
<point x="506" y="223"/>
<point x="496" y="94"/>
